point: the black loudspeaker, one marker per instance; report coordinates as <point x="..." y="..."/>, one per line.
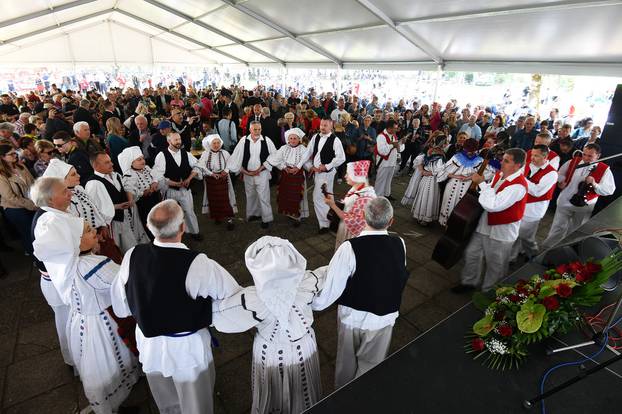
<point x="611" y="143"/>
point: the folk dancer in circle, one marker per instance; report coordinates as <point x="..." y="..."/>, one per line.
<point x="425" y="208"/>
<point x="326" y="153"/>
<point x="571" y="213"/>
<point x="504" y="201"/>
<point x="541" y="180"/>
<point x="352" y="218"/>
<point x="218" y="195"/>
<point x="292" y="192"/>
<point x="387" y="148"/>
<point x="250" y="158"/>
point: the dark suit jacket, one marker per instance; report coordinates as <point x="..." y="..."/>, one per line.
<point x="80" y="160"/>
<point x="270" y="129"/>
<point x="83" y="114"/>
<point x="158" y="102"/>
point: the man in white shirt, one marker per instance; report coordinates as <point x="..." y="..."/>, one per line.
<point x="326" y="153"/>
<point x="387" y="146"/>
<point x="337" y="112"/>
<point x="177" y="167"/>
<point x="250" y="158"/>
<point x="472" y="128"/>
<point x="366" y="277"/>
<point x="106" y="190"/>
<point x="568" y="215"/>
<point x="504" y="202"/>
<point x="168" y="289"/>
<point x="541" y="177"/>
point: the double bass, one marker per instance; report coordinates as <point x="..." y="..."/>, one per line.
<point x="461" y="224"/>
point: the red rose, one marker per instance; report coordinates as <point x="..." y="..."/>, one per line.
<point x="550" y="303"/>
<point x="575" y="267"/>
<point x="561" y="269"/>
<point x="521" y="283"/>
<point x="592" y="268"/>
<point x="499" y="315"/>
<point x="504" y="330"/>
<point x="564" y="290"/>
<point x="478" y="344"/>
<point x="546" y="276"/>
<point x="514" y="298"/>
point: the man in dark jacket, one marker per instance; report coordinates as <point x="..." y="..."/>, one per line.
<point x="73" y="154"/>
<point x="83" y="114"/>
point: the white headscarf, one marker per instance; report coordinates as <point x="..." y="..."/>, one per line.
<point x="128" y="156"/>
<point x="57" y="244"/>
<point x="277" y="269"/>
<point x="296" y="131"/>
<point x="57" y="169"/>
<point x="207" y="141"/>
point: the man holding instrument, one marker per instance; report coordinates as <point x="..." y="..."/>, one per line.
<point x="387" y="147"/>
<point x="504" y="203"/>
<point x="598" y="181"/>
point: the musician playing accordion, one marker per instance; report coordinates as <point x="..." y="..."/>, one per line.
<point x="581" y="188"/>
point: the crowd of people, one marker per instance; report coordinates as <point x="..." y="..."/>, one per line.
<point x="99" y="189"/>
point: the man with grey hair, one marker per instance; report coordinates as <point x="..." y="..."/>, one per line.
<point x="82" y="131"/>
<point x="140" y="134"/>
<point x="7" y="130"/>
<point x="169" y="290"/>
<point x="366" y="277"/>
<point x="48" y="228"/>
<point x="21" y="121"/>
<point x="177" y="168"/>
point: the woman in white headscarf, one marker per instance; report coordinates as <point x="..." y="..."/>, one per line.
<point x="139" y="182"/>
<point x="83" y="206"/>
<point x="352" y="215"/>
<point x="292" y="194"/>
<point x="286" y="369"/>
<point x="108" y="368"/>
<point x="218" y="196"/>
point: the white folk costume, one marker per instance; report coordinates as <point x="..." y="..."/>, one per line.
<point x="386" y="157"/>
<point x="218" y="195"/>
<point x="569" y="217"/>
<point x="504" y="201"/>
<point x="286" y="368"/>
<point x="251" y="155"/>
<point x="425" y="208"/>
<point x="292" y="192"/>
<point x="366" y="277"/>
<point x="324" y="150"/>
<point x="541" y="182"/>
<point x="137" y="182"/>
<point x="413" y="184"/>
<point x="354" y="202"/>
<point x="461" y="164"/>
<point x="552" y="158"/>
<point x="83" y="206"/>
<point x="169" y="289"/>
<point x="51" y="233"/>
<point x="106" y="190"/>
<point x="177" y="166"/>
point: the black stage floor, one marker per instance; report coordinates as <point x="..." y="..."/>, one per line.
<point x="432" y="374"/>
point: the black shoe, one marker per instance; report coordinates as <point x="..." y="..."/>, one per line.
<point x="230" y="225"/>
<point x="323" y="230"/>
<point x="254" y="218"/>
<point x="265" y="225"/>
<point x="197" y="237"/>
<point x="462" y="288"/>
<point x="390" y="198"/>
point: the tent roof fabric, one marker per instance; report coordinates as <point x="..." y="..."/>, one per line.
<point x="547" y="36"/>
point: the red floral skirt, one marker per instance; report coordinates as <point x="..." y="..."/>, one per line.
<point x="218" y="198"/>
<point x="290" y="194"/>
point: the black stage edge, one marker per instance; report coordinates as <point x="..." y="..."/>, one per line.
<point x="432" y="374"/>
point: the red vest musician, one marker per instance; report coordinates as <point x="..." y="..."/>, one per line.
<point x="504" y="203"/>
<point x="571" y="214"/>
<point x="543" y="138"/>
<point x="541" y="180"/>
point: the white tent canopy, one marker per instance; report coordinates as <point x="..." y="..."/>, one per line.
<point x="566" y="37"/>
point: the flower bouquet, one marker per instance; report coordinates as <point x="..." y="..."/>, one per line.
<point x="530" y="311"/>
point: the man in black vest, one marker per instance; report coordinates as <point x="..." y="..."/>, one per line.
<point x="106" y="190"/>
<point x="366" y="277"/>
<point x="250" y="158"/>
<point x="177" y="167"/>
<point x="169" y="290"/>
<point x="326" y="153"/>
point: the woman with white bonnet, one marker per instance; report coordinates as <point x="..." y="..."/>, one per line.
<point x="292" y="193"/>
<point x="286" y="369"/>
<point x="139" y="182"/>
<point x="218" y="196"/>
<point x="352" y="216"/>
<point x="83" y="206"/>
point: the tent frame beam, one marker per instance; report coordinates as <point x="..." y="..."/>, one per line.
<point x="284" y="31"/>
<point x="190" y="19"/>
<point x="45" y="12"/>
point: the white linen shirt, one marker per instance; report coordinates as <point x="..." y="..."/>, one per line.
<point x="177" y="356"/>
<point x="606" y="187"/>
<point x="340" y="156"/>
<point x="535" y="211"/>
<point x="494" y="202"/>
<point x="234" y="164"/>
<point x="341" y="267"/>
<point x="98" y="193"/>
<point x="385" y="149"/>
<point x="159" y="165"/>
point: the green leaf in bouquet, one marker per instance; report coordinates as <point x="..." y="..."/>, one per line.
<point x="482" y="300"/>
<point x="505" y="290"/>
<point x="529" y="318"/>
<point x="557" y="282"/>
<point x="546" y="291"/>
<point x="483" y="326"/>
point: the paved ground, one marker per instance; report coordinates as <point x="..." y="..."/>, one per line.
<point x="34" y="379"/>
